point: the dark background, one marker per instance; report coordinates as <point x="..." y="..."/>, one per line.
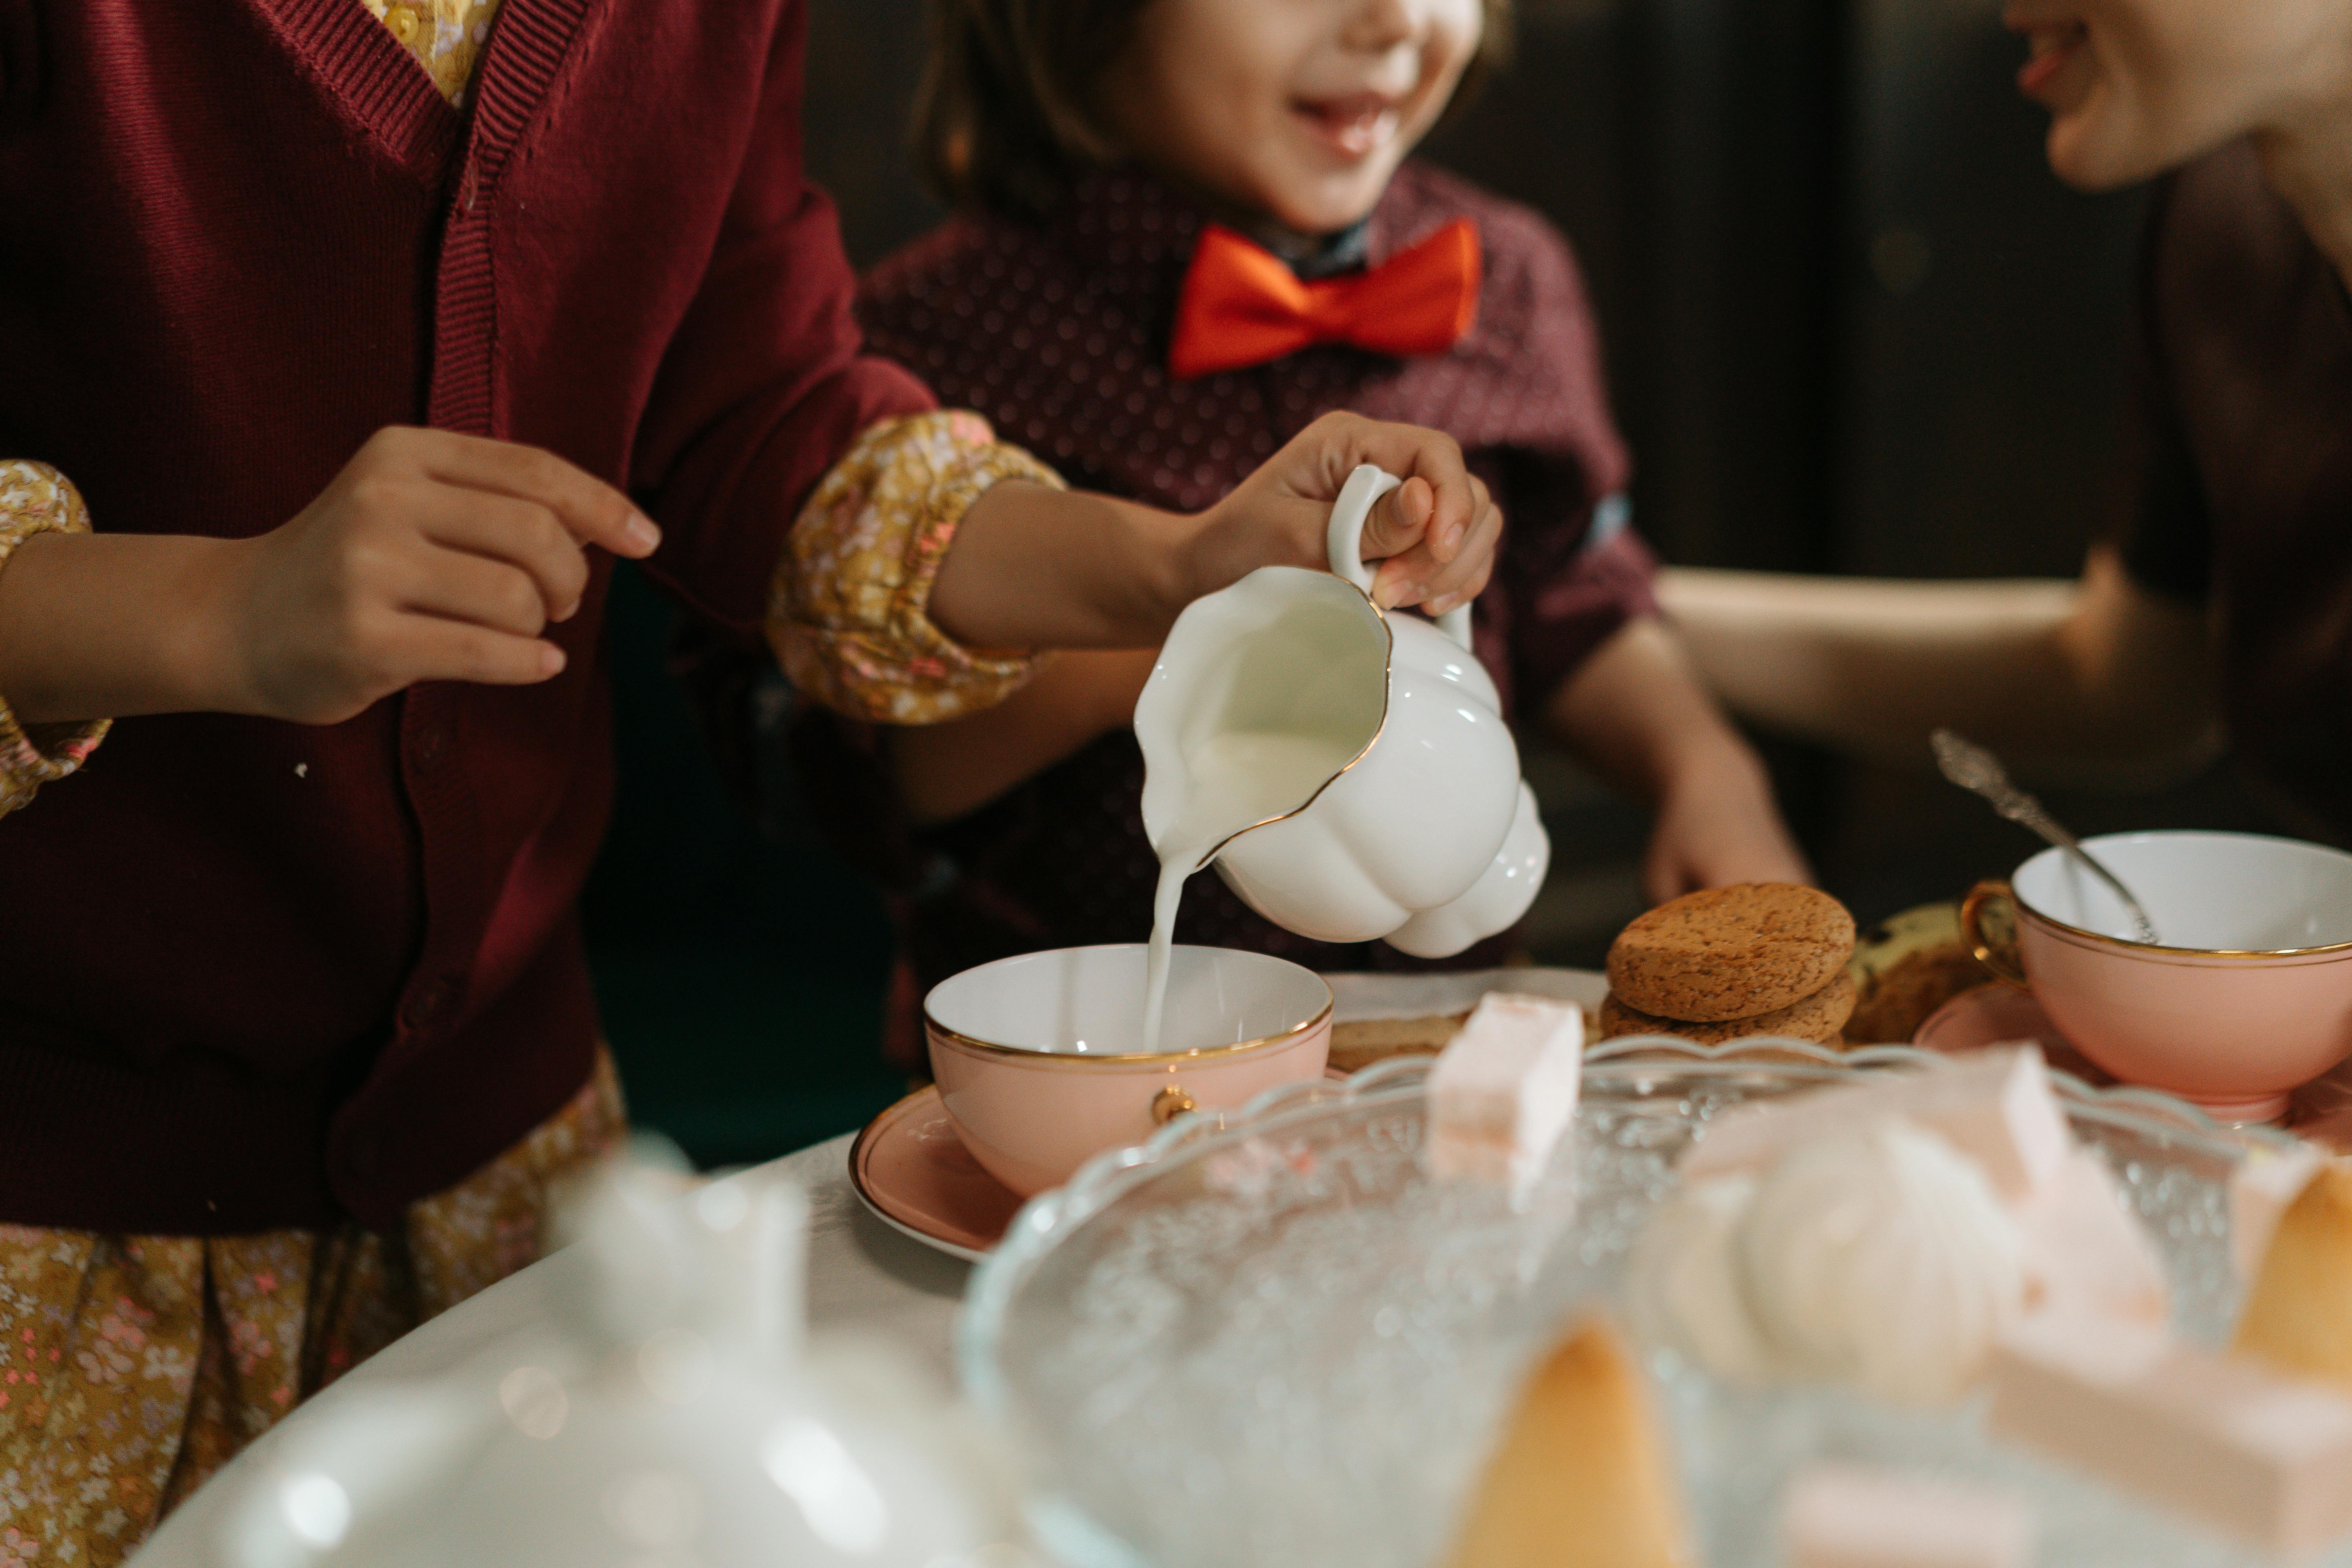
<point x="1854" y="326"/>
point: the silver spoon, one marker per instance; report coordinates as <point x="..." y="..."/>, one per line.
<point x="1977" y="771"/>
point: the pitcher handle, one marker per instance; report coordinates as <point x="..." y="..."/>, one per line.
<point x="2002" y="959"/>
<point x="1344" y="544"/>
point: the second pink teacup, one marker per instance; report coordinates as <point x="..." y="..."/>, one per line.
<point x="1040" y="1062"/>
<point x="2250" y="994"/>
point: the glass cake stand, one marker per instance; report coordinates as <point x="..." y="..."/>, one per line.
<point x="1266" y="1338"/>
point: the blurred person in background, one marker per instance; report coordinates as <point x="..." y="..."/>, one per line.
<point x="2216" y="606"/>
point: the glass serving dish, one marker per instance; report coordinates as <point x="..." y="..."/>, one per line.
<point x="1266" y="1338"/>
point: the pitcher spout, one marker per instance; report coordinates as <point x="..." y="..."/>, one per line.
<point x="1264" y="693"/>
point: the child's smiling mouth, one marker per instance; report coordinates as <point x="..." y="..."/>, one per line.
<point x="1355" y="124"/>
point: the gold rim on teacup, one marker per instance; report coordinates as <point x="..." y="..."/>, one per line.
<point x="1046" y="1055"/>
<point x="2007" y="970"/>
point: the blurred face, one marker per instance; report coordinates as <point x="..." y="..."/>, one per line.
<point x="2137" y="87"/>
<point x="1296" y="110"/>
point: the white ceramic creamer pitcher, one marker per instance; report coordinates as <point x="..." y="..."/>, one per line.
<point x="1348" y="771"/>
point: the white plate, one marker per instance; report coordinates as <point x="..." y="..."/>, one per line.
<point x="1359" y="998"/>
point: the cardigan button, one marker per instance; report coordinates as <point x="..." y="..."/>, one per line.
<point x="432" y="740"/>
<point x="430" y="1003"/>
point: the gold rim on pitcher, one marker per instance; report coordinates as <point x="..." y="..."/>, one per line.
<point x="1388" y="677"/>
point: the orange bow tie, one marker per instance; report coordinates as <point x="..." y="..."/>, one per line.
<point x="1241" y="306"/>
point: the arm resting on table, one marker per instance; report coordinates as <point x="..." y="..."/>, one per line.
<point x="2103" y="678"/>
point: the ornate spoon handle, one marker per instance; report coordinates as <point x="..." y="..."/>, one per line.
<point x="1977" y="771"/>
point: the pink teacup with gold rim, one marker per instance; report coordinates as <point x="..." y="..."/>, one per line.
<point x="2250" y="994"/>
<point x="1040" y="1060"/>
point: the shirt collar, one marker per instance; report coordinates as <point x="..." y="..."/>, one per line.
<point x="1134" y="231"/>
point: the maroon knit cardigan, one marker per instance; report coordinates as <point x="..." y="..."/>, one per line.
<point x="256" y="973"/>
<point x="1058" y="332"/>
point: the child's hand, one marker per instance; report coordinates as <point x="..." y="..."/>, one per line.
<point x="1434" y="535"/>
<point x="432" y="556"/>
<point x="1717" y="825"/>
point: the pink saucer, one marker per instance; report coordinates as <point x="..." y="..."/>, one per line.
<point x="1992" y="1015"/>
<point x="909" y="1167"/>
<point x="911" y="1170"/>
<point x="1998" y="1014"/>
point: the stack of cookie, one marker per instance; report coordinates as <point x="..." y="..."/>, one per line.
<point x="1906" y="967"/>
<point x="1760" y="958"/>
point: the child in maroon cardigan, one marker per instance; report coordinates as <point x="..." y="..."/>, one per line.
<point x="295" y="1025"/>
<point x="1107" y="295"/>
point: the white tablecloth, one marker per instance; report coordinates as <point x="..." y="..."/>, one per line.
<point x="861" y="1275"/>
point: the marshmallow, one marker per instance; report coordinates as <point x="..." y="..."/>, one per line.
<point x="1850" y="1516"/>
<point x="1505" y="1090"/>
<point x="1994" y="1106"/>
<point x="2220" y="1438"/>
<point x="2086" y="1254"/>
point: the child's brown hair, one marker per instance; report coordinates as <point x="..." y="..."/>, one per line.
<point x="1006" y="116"/>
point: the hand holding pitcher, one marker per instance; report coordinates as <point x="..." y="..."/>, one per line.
<point x="1349" y="773"/>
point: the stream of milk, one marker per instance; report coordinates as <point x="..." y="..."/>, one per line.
<point x="1237" y="778"/>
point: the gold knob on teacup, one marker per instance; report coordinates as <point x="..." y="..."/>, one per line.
<point x="1170" y="1103"/>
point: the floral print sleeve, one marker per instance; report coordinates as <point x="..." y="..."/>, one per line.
<point x="37" y="499"/>
<point x="849" y="613"/>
